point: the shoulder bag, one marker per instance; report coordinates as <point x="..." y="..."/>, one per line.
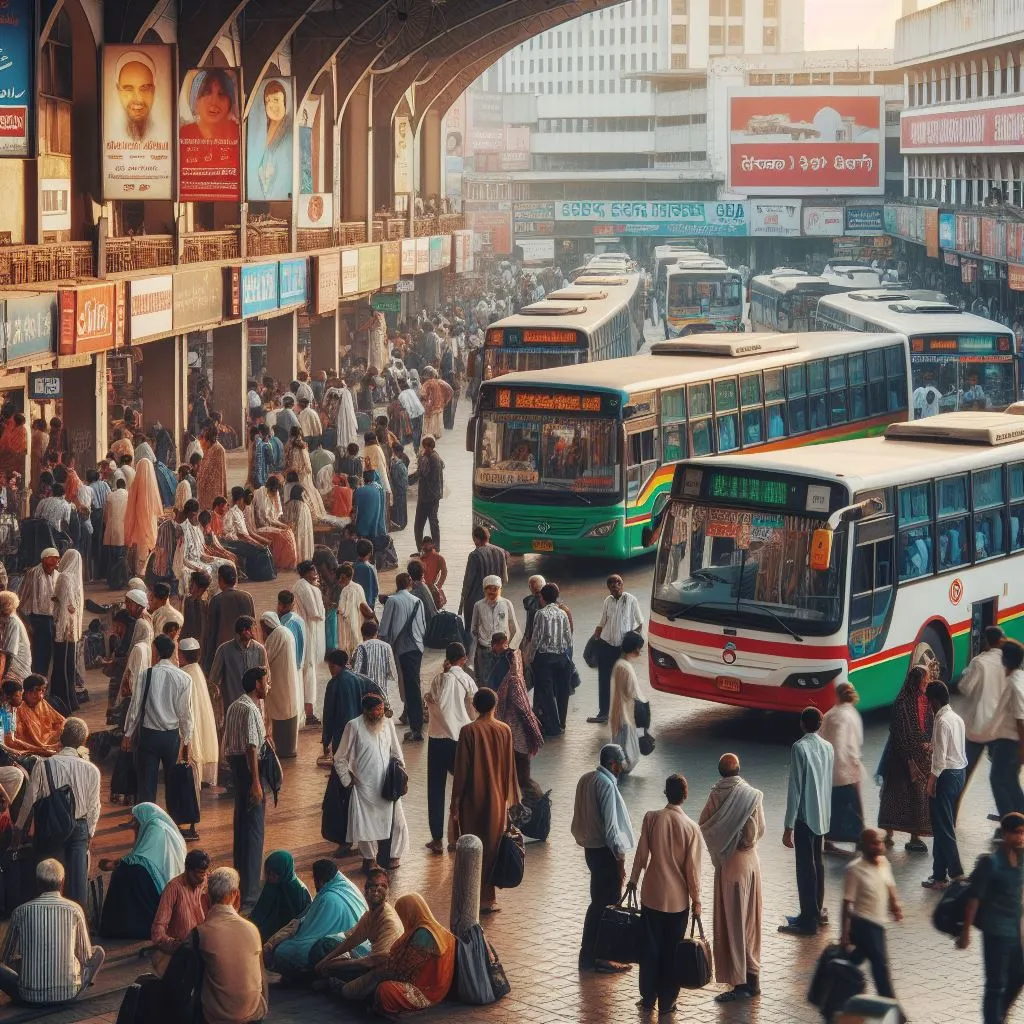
<point x="271" y="775"/>
<point x="54" y="814"/>
<point x="642" y="713"/>
<point x="510" y="860"/>
<point x="693" y="958"/>
<point x="134" y="738"/>
<point x="620" y="932"/>
<point x="396" y="781"/>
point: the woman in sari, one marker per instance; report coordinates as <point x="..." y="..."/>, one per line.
<point x="68" y="605"/>
<point x="140" y="877"/>
<point x="214" y="547"/>
<point x="399" y="473"/>
<point x="370" y="507"/>
<point x="297" y="515"/>
<point x="212" y="476"/>
<point x="626" y="690"/>
<point x="190" y="553"/>
<point x="283" y="897"/>
<point x="507" y="680"/>
<point x="141" y="514"/>
<point x="267" y="518"/>
<point x="906" y="764"/>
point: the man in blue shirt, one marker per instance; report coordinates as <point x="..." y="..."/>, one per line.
<point x="808" y="812"/>
<point x="402" y="626"/>
<point x="601" y="825"/>
<point x="293" y="622"/>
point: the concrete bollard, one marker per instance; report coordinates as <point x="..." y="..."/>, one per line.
<point x="469" y="858"/>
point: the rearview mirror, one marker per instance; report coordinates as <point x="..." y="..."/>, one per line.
<point x="821" y="550"/>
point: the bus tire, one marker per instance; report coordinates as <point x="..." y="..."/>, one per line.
<point x="933" y="646"/>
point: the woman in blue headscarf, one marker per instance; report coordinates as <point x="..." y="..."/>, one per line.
<point x="213" y="103"/>
<point x="284" y="895"/>
<point x="270" y="145"/>
<point x="140" y="877"/>
<point x="369" y="503"/>
<point x="167" y="483"/>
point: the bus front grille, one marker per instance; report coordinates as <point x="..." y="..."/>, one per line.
<point x="541" y="524"/>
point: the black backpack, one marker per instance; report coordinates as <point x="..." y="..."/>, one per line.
<point x="54" y="814"/>
<point x="536" y="823"/>
<point x="950" y="911"/>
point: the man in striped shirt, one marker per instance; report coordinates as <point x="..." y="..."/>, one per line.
<point x="374" y="658"/>
<point x="49" y="941"/>
<point x="550" y="640"/>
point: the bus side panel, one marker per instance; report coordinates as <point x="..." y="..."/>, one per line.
<point x="877" y="684"/>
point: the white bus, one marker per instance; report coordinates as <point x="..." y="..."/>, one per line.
<point x="780" y="575"/>
<point x="785" y="300"/>
<point x="958" y="360"/>
<point x="702" y="290"/>
<point x="665" y="256"/>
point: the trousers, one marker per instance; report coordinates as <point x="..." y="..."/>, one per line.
<point x="44" y="632"/>
<point x="661" y="934"/>
<point x="551" y="690"/>
<point x="156" y="747"/>
<point x="605" y="890"/>
<point x="248" y="825"/>
<point x="607" y="655"/>
<point x="440" y="764"/>
<point x="73" y="854"/>
<point x="942" y="809"/>
<point x="1003" y="775"/>
<point x="810" y="874"/>
<point x="426" y="511"/>
<point x="409" y="665"/>
<point x="1004" y="976"/>
<point x="868" y="941"/>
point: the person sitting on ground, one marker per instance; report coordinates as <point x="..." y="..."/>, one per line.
<point x="39" y="724"/>
<point x="47" y="958"/>
<point x="183" y="905"/>
<point x="283" y="898"/>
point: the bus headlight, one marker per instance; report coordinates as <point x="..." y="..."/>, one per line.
<point x="602" y="529"/>
<point x="663" y="660"/>
<point x="811" y="680"/>
<point x="482" y="520"/>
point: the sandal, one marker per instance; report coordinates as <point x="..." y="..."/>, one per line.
<point x="734" y="995"/>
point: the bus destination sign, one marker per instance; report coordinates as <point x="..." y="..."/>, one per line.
<point x="550" y="401"/>
<point x="529" y="337"/>
<point x="751" y="490"/>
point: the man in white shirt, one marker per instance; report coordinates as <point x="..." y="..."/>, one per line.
<point x="620" y="614"/>
<point x="159" y="718"/>
<point x="450" y="697"/>
<point x="36" y="596"/>
<point x="56" y="509"/>
<point x="843" y="728"/>
<point x="869" y="898"/>
<point x="309" y="421"/>
<point x="494" y="614"/>
<point x="945" y="784"/>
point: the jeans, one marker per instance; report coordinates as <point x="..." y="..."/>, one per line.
<point x="426" y="511"/>
<point x="810" y="875"/>
<point x="248" y="824"/>
<point x="1003" y="775"/>
<point x="44" y="632"/>
<point x="1004" y="976"/>
<point x="942" y="809"/>
<point x="440" y="764"/>
<point x="73" y="854"/>
<point x="868" y="940"/>
<point x="661" y="934"/>
<point x="605" y="890"/>
<point x="606" y="658"/>
<point x="155" y="747"/>
<point x="409" y="665"/>
<point x="548" y="687"/>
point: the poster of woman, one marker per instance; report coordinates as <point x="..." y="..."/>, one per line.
<point x="209" y="155"/>
<point x="270" y="141"/>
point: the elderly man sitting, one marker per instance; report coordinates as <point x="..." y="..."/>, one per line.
<point x="47" y="957"/>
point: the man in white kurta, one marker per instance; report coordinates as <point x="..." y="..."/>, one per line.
<point x="309" y="606"/>
<point x="285" y="698"/>
<point x="348" y="425"/>
<point x="205" y="749"/>
<point x="367" y="746"/>
<point x="353" y="611"/>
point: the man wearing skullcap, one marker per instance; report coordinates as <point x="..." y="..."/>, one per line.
<point x="205" y="747"/>
<point x="486" y="559"/>
<point x="36" y="597"/>
<point x="492" y="614"/>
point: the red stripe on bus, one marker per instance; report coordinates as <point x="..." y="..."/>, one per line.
<point x="790" y="650"/>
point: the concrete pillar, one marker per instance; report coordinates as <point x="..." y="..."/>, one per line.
<point x="85" y="410"/>
<point x="166" y="381"/>
<point x="430" y="153"/>
<point x="323" y="343"/>
<point x="282" y="348"/>
<point x="230" y="363"/>
<point x="355" y="132"/>
<point x="469" y="857"/>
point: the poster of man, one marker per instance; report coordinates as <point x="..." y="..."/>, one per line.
<point x="209" y="155"/>
<point x="138" y="114"/>
<point x="270" y="141"/>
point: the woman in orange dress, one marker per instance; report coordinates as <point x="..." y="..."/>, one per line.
<point x="212" y="476"/>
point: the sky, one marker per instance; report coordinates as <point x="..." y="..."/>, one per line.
<point x="842" y="24"/>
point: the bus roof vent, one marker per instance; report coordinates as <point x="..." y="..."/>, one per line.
<point x="927" y="308"/>
<point x="727" y="346"/>
<point x="599" y="279"/>
<point x="700" y="263"/>
<point x="577" y="293"/>
<point x="545" y="308"/>
<point x="879" y="295"/>
<point x="788" y="272"/>
<point x="982" y="428"/>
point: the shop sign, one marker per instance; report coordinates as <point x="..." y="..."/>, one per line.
<point x="951" y="259"/>
<point x="434" y="253"/>
<point x="387" y="303"/>
<point x="1015" y="276"/>
<point x="408" y="262"/>
<point x="390" y="262"/>
<point x="17" y="78"/>
<point x="988" y="271"/>
<point x="864" y="220"/>
<point x="349" y="271"/>
<point x="369" y="268"/>
<point x="258" y="286"/>
<point x="991" y="126"/>
<point x="46" y="386"/>
<point x="198" y="298"/>
<point x="778" y="219"/>
<point x="422" y="255"/>
<point x="327" y="276"/>
<point x="823" y="221"/>
<point x="968" y="270"/>
<point x="642" y="217"/>
<point x="91" y="318"/>
<point x="405" y="285"/>
<point x="947" y="231"/>
<point x="291" y="282"/>
<point x="29" y="325"/>
<point x="1015" y="242"/>
<point x="968" y="233"/>
<point x="931" y="232"/>
<point x="150" y="307"/>
<point x="993" y="238"/>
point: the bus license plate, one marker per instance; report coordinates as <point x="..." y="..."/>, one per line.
<point x="544" y="545"/>
<point x="730" y="684"/>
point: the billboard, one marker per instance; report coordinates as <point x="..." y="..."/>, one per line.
<point x="823" y="221"/>
<point x="209" y="136"/>
<point x="454" y="147"/>
<point x="28" y="327"/>
<point x="138" y="88"/>
<point x="403" y="155"/>
<point x="656" y="218"/>
<point x="150" y="307"/>
<point x="17" y="78"/>
<point x="780" y="219"/>
<point x="494" y="229"/>
<point x="947" y="231"/>
<point x="516" y="154"/>
<point x="805" y="141"/>
<point x="992" y="126"/>
<point x="270" y="141"/>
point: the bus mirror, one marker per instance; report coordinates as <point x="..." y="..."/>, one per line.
<point x="471" y="434"/>
<point x="821" y="550"/>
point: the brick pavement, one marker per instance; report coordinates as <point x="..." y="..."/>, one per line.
<point x="537" y="933"/>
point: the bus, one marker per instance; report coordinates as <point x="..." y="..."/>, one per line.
<point x="781" y="575"/>
<point x="576" y="460"/>
<point x="665" y="256"/>
<point x="849" y="274"/>
<point x="702" y="290"/>
<point x="599" y="316"/>
<point x="785" y="300"/>
<point x="957" y="360"/>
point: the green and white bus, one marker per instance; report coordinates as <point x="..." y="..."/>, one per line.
<point x="702" y="290"/>
<point x="957" y="360"/>
<point x="785" y="300"/>
<point x="780" y="575"/>
<point x="576" y="460"/>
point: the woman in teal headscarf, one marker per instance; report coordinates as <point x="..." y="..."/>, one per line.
<point x="302" y="944"/>
<point x="139" y="877"/>
<point x="284" y="895"/>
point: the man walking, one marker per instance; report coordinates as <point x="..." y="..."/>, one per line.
<point x="36" y="597"/>
<point x="493" y="614"/>
<point x="309" y="606"/>
<point x="620" y="614"/>
<point x="234" y="658"/>
<point x="550" y="641"/>
<point x="402" y="626"/>
<point x="843" y="728"/>
<point x="430" y="474"/>
<point x="486" y="559"/>
<point x="945" y="784"/>
<point x="225" y="608"/>
<point x="601" y="825"/>
<point x="808" y="812"/>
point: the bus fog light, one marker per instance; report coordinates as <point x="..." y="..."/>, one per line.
<point x="662" y="660"/>
<point x="602" y="529"/>
<point x="811" y="680"/>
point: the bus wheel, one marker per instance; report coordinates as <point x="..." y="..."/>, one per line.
<point x="930" y="650"/>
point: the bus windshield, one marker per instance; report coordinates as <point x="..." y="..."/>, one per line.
<point x="743" y="568"/>
<point x="498" y="361"/>
<point x="956" y="380"/>
<point x="689" y="293"/>
<point x="530" y="454"/>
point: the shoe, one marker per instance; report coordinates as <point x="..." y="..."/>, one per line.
<point x="490" y="908"/>
<point x="823" y="916"/>
<point x="190" y="835"/>
<point x="597" y="720"/>
<point x="312" y="720"/>
<point x="404" y="720"/>
<point x="890" y="842"/>
<point x="794" y="927"/>
<point x="642" y="1004"/>
<point x="991" y="817"/>
<point x="585" y="965"/>
<point x="931" y="882"/>
<point x="413" y="737"/>
<point x="611" y="967"/>
<point x="435" y="846"/>
<point x="734" y="995"/>
<point x="95" y="607"/>
<point x="915" y="846"/>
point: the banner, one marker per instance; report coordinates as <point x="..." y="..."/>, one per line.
<point x="408" y="264"/>
<point x="91" y="318"/>
<point x="779" y="219"/>
<point x="536" y="251"/>
<point x="422" y="255"/>
<point x="791" y="140"/>
<point x="403" y="155"/>
<point x="947" y="231"/>
<point x="715" y="219"/>
<point x="29" y="327"/>
<point x="434" y="256"/>
<point x="931" y="231"/>
<point x="391" y="262"/>
<point x="209" y="136"/>
<point x="198" y="298"/>
<point x="864" y="220"/>
<point x="291" y="288"/>
<point x="327" y="278"/>
<point x="1015" y="277"/>
<point x="17" y="78"/>
<point x="968" y="233"/>
<point x="258" y="284"/>
<point x="516" y="154"/>
<point x="270" y="141"/>
<point x="137" y="137"/>
<point x="993" y="238"/>
<point x="150" y="307"/>
<point x="454" y="147"/>
<point x="823" y="221"/>
<point x="368" y="272"/>
<point x="991" y="126"/>
<point x="349" y="271"/>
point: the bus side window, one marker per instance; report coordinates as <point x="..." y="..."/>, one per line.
<point x="872" y="587"/>
<point x="896" y="371"/>
<point x="643" y="460"/>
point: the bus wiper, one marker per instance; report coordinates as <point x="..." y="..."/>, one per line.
<point x="782" y="622"/>
<point x="554" y="484"/>
<point x="569" y="488"/>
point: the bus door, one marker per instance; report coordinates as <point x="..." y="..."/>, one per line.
<point x="983" y="615"/>
<point x="642" y="455"/>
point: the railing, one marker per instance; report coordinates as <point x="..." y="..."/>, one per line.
<point x="444" y="224"/>
<point x="201" y="246"/>
<point x="139" y="252"/>
<point x="29" y="264"/>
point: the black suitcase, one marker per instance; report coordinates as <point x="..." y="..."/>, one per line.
<point x="259" y="566"/>
<point x="843" y="981"/>
<point x="536" y="824"/>
<point x="182" y="792"/>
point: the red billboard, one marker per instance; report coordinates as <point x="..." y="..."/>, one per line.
<point x="803" y="141"/>
<point x="495" y="230"/>
<point x="994" y="126"/>
<point x="209" y="136"/>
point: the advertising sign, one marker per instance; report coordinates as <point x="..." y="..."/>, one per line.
<point x="327" y="280"/>
<point x="270" y="141"/>
<point x="390" y="262"/>
<point x="791" y="140"/>
<point x="349" y="271"/>
<point x="258" y="284"/>
<point x="369" y="268"/>
<point x="993" y="238"/>
<point x="823" y="220"/>
<point x="434" y="258"/>
<point x="1015" y="276"/>
<point x="150" y="307"/>
<point x="454" y="147"/>
<point x="780" y="219"/>
<point x="405" y="285"/>
<point x="18" y="43"/>
<point x="389" y="303"/>
<point x="990" y="126"/>
<point x="209" y="136"/>
<point x="55" y="204"/>
<point x="91" y="318"/>
<point x="931" y="231"/>
<point x="422" y="255"/>
<point x="947" y="231"/>
<point x="291" y="282"/>
<point x="316" y="210"/>
<point x="46" y="385"/>
<point x="864" y="220"/>
<point x="198" y="299"/>
<point x="487" y="108"/>
<point x="408" y="265"/>
<point x="533" y="218"/>
<point x="516" y="154"/>
<point x="138" y="88"/>
<point x="536" y="251"/>
<point x="716" y="219"/>
<point x="403" y="155"/>
<point x="1015" y="242"/>
<point x="968" y="232"/>
<point x="29" y="326"/>
<point x="492" y="228"/>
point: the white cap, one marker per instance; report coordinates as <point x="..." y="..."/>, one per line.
<point x="138" y="596"/>
<point x="49" y="553"/>
<point x="190" y="643"/>
<point x="136" y="583"/>
<point x="492" y="581"/>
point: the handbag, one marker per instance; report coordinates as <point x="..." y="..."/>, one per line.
<point x="646" y="744"/>
<point x="182" y="793"/>
<point x="642" y="713"/>
<point x="271" y="775"/>
<point x="590" y="652"/>
<point x="123" y="779"/>
<point x="334" y="811"/>
<point x="510" y="860"/>
<point x="620" y="932"/>
<point x="396" y="781"/>
<point x="443" y="629"/>
<point x="54" y="814"/>
<point x="499" y="979"/>
<point x="693" y="958"/>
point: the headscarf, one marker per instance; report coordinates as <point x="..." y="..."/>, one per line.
<point x="281" y="901"/>
<point x="513" y="705"/>
<point x="143" y="509"/>
<point x="69" y="592"/>
<point x="414" y="914"/>
<point x="159" y="847"/>
<point x="335" y="909"/>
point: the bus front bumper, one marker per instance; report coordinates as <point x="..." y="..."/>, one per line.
<point x="539" y="530"/>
